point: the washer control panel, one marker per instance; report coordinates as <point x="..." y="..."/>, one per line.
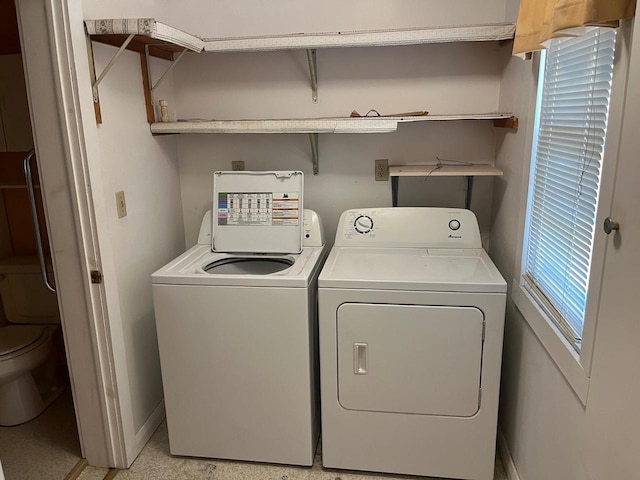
<point x="424" y="227"/>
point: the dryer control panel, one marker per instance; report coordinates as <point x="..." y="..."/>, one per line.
<point x="413" y="227"/>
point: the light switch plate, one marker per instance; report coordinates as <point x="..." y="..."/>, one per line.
<point x="121" y="204"/>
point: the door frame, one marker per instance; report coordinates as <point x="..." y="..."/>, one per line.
<point x="45" y="37"/>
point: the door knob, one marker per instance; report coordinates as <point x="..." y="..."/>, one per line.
<point x="609" y="225"/>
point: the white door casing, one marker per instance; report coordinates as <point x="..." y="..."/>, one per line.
<point x="58" y="138"/>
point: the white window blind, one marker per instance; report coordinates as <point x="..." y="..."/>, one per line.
<point x="568" y="152"/>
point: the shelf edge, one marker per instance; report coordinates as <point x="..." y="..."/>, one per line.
<point x="368" y="38"/>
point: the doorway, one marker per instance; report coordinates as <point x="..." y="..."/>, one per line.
<point x="47" y="445"/>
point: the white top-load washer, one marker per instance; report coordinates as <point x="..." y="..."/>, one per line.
<point x="411" y="315"/>
<point x="236" y="319"/>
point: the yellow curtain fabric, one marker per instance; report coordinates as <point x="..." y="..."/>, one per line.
<point x="542" y="20"/>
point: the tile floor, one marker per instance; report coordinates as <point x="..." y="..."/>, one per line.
<point x="48" y="448"/>
<point x="156" y="462"/>
<point x="44" y="448"/>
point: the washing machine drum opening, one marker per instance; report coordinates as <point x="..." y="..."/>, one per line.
<point x="248" y="266"/>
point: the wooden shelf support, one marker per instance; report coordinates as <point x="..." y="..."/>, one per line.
<point x="507" y="123"/>
<point x="147" y="83"/>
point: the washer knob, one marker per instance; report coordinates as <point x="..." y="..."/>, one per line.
<point x="363" y="224"/>
<point x="454" y="224"/>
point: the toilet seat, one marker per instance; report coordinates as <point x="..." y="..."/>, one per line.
<point x="17" y="337"/>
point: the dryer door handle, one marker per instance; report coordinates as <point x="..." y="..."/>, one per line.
<point x="360" y="358"/>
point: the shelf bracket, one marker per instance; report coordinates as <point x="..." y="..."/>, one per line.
<point x="173" y="64"/>
<point x="113" y="60"/>
<point x="507" y="123"/>
<point x="92" y="75"/>
<point x="146" y="80"/>
<point x="313" y="139"/>
<point x="468" y="192"/>
<point x="313" y="71"/>
<point x="394" y="191"/>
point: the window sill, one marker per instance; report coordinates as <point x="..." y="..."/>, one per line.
<point x="561" y="352"/>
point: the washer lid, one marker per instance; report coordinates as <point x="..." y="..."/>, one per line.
<point x="257" y="212"/>
<point x="15" y="337"/>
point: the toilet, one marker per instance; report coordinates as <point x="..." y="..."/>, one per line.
<point x="28" y="379"/>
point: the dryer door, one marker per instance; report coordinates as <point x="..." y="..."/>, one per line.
<point x="410" y="358"/>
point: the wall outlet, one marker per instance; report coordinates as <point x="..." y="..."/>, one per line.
<point x="237" y="165"/>
<point x="382" y="170"/>
<point x="121" y="204"/>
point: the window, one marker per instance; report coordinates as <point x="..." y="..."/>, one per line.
<point x="571" y="125"/>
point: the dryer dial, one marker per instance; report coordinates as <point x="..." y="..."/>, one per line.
<point x="363" y="224"/>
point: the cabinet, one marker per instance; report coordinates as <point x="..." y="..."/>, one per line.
<point x="15" y="135"/>
<point x="17" y="236"/>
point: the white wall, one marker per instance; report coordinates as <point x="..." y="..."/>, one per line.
<point x="540" y="416"/>
<point x="222" y="18"/>
<point x="122" y="155"/>
<point x="146" y="169"/>
<point x="157" y="9"/>
<point x="542" y="419"/>
<point x="448" y="78"/>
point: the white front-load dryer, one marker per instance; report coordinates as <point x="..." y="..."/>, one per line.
<point x="411" y="315"/>
<point x="236" y="319"/>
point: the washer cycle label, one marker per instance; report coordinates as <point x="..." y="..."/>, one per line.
<point x="259" y="209"/>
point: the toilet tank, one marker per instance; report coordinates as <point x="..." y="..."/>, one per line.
<point x="24" y="295"/>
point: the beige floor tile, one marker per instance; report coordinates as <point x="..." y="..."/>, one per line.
<point x="93" y="473"/>
<point x="156" y="462"/>
<point x="44" y="448"/>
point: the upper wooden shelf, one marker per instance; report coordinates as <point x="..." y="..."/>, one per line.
<point x="313" y="125"/>
<point x="162" y="40"/>
<point x="367" y="38"/>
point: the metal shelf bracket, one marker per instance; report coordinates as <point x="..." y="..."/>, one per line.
<point x="169" y="68"/>
<point x="313" y="71"/>
<point x="313" y="139"/>
<point x="96" y="81"/>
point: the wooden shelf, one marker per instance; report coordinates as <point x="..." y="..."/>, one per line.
<point x="312" y="125"/>
<point x="152" y="38"/>
<point x="146" y="36"/>
<point x="149" y="37"/>
<point x="369" y="38"/>
<point x="443" y="170"/>
<point x="477" y="170"/>
<point x="162" y="40"/>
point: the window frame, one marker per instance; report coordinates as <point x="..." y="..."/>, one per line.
<point x="574" y="365"/>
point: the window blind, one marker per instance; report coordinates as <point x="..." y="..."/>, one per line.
<point x="568" y="152"/>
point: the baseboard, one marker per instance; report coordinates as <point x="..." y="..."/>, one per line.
<point x="507" y="460"/>
<point x="146" y="431"/>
